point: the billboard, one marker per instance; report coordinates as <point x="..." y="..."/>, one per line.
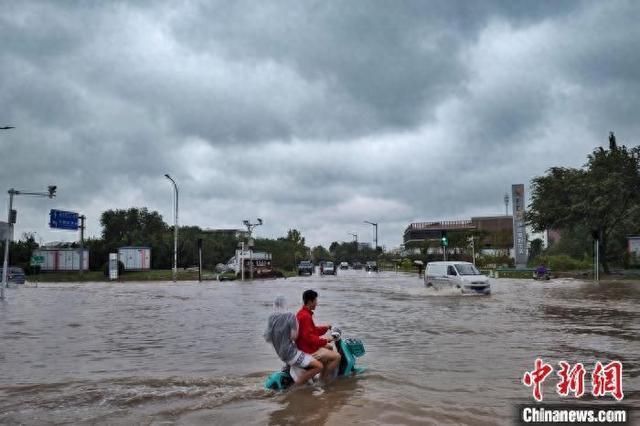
<point x="519" y="227"/>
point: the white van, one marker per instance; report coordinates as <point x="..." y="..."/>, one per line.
<point x="456" y="275"/>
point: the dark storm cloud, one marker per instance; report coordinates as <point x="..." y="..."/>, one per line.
<point x="315" y="115"/>
<point x="387" y="60"/>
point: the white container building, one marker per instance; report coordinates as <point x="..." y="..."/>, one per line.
<point x="62" y="259"/>
<point x="135" y="258"/>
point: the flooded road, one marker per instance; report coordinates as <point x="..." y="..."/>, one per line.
<point x="193" y="353"/>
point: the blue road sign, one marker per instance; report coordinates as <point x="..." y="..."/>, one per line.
<point x="63" y="220"/>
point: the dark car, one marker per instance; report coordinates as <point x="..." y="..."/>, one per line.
<point x="371" y="266"/>
<point x="14" y="275"/>
<point x="305" y="267"/>
<point x="357" y="265"/>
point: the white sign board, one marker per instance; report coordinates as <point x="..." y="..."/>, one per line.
<point x="634" y="246"/>
<point x="6" y="231"/>
<point x="113" y="266"/>
<point x="519" y="226"/>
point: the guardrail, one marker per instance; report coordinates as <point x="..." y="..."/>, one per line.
<point x="510" y="273"/>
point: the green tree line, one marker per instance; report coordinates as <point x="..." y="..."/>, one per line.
<point x="143" y="228"/>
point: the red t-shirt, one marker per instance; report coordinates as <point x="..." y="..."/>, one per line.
<point x="309" y="339"/>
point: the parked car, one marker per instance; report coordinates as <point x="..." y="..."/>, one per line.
<point x="328" y="268"/>
<point x="14" y="275"/>
<point x="371" y="266"/>
<point x="344" y="265"/>
<point x="305" y="267"/>
<point x="462" y="276"/>
<point x="356" y="265"/>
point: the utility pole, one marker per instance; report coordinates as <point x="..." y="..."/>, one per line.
<point x="199" y="259"/>
<point x="596" y="251"/>
<point x="82" y="218"/>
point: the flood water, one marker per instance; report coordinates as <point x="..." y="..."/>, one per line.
<point x="193" y="353"/>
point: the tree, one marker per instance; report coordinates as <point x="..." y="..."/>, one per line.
<point x="319" y="253"/>
<point x="131" y="227"/>
<point x="602" y="197"/>
<point x="535" y="249"/>
<point x="286" y="251"/>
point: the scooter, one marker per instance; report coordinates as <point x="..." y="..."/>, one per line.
<point x="541" y="276"/>
<point x="349" y="350"/>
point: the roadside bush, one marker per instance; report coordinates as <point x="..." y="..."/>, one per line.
<point x="561" y="262"/>
<point x="484" y="261"/>
<point x="31" y="270"/>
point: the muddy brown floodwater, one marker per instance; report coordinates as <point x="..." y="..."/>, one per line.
<point x="190" y="353"/>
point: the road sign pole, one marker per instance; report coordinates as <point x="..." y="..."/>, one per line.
<point x="199" y="259"/>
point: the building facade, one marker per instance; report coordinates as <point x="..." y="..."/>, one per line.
<point x="494" y="232"/>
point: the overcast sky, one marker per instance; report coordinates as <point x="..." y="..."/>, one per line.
<point x="315" y="115"/>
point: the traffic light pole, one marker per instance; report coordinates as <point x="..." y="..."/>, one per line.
<point x="11" y="216"/>
<point x="444" y="242"/>
<point x="7" y="241"/>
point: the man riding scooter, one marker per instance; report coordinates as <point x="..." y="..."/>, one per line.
<point x="310" y="338"/>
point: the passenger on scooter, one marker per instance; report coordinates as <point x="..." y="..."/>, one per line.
<point x="310" y="338"/>
<point x="281" y="332"/>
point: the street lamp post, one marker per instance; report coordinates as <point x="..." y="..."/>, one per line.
<point x="11" y="216"/>
<point x="250" y="227"/>
<point x="506" y="204"/>
<point x="375" y="225"/>
<point x="175" y="229"/>
<point x="355" y="236"/>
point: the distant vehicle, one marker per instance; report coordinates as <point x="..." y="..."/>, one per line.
<point x="356" y="265"/>
<point x="463" y="276"/>
<point x="371" y="266"/>
<point x="344" y="265"/>
<point x="305" y="267"/>
<point x="14" y="275"/>
<point x="328" y="268"/>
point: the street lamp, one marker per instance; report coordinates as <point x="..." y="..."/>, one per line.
<point x="375" y="225"/>
<point x="355" y="236"/>
<point x="12" y="216"/>
<point x="250" y="227"/>
<point x="175" y="229"/>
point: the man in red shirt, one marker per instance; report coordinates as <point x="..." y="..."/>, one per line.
<point x="310" y="338"/>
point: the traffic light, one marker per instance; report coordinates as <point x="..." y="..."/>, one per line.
<point x="444" y="241"/>
<point x="52" y="191"/>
